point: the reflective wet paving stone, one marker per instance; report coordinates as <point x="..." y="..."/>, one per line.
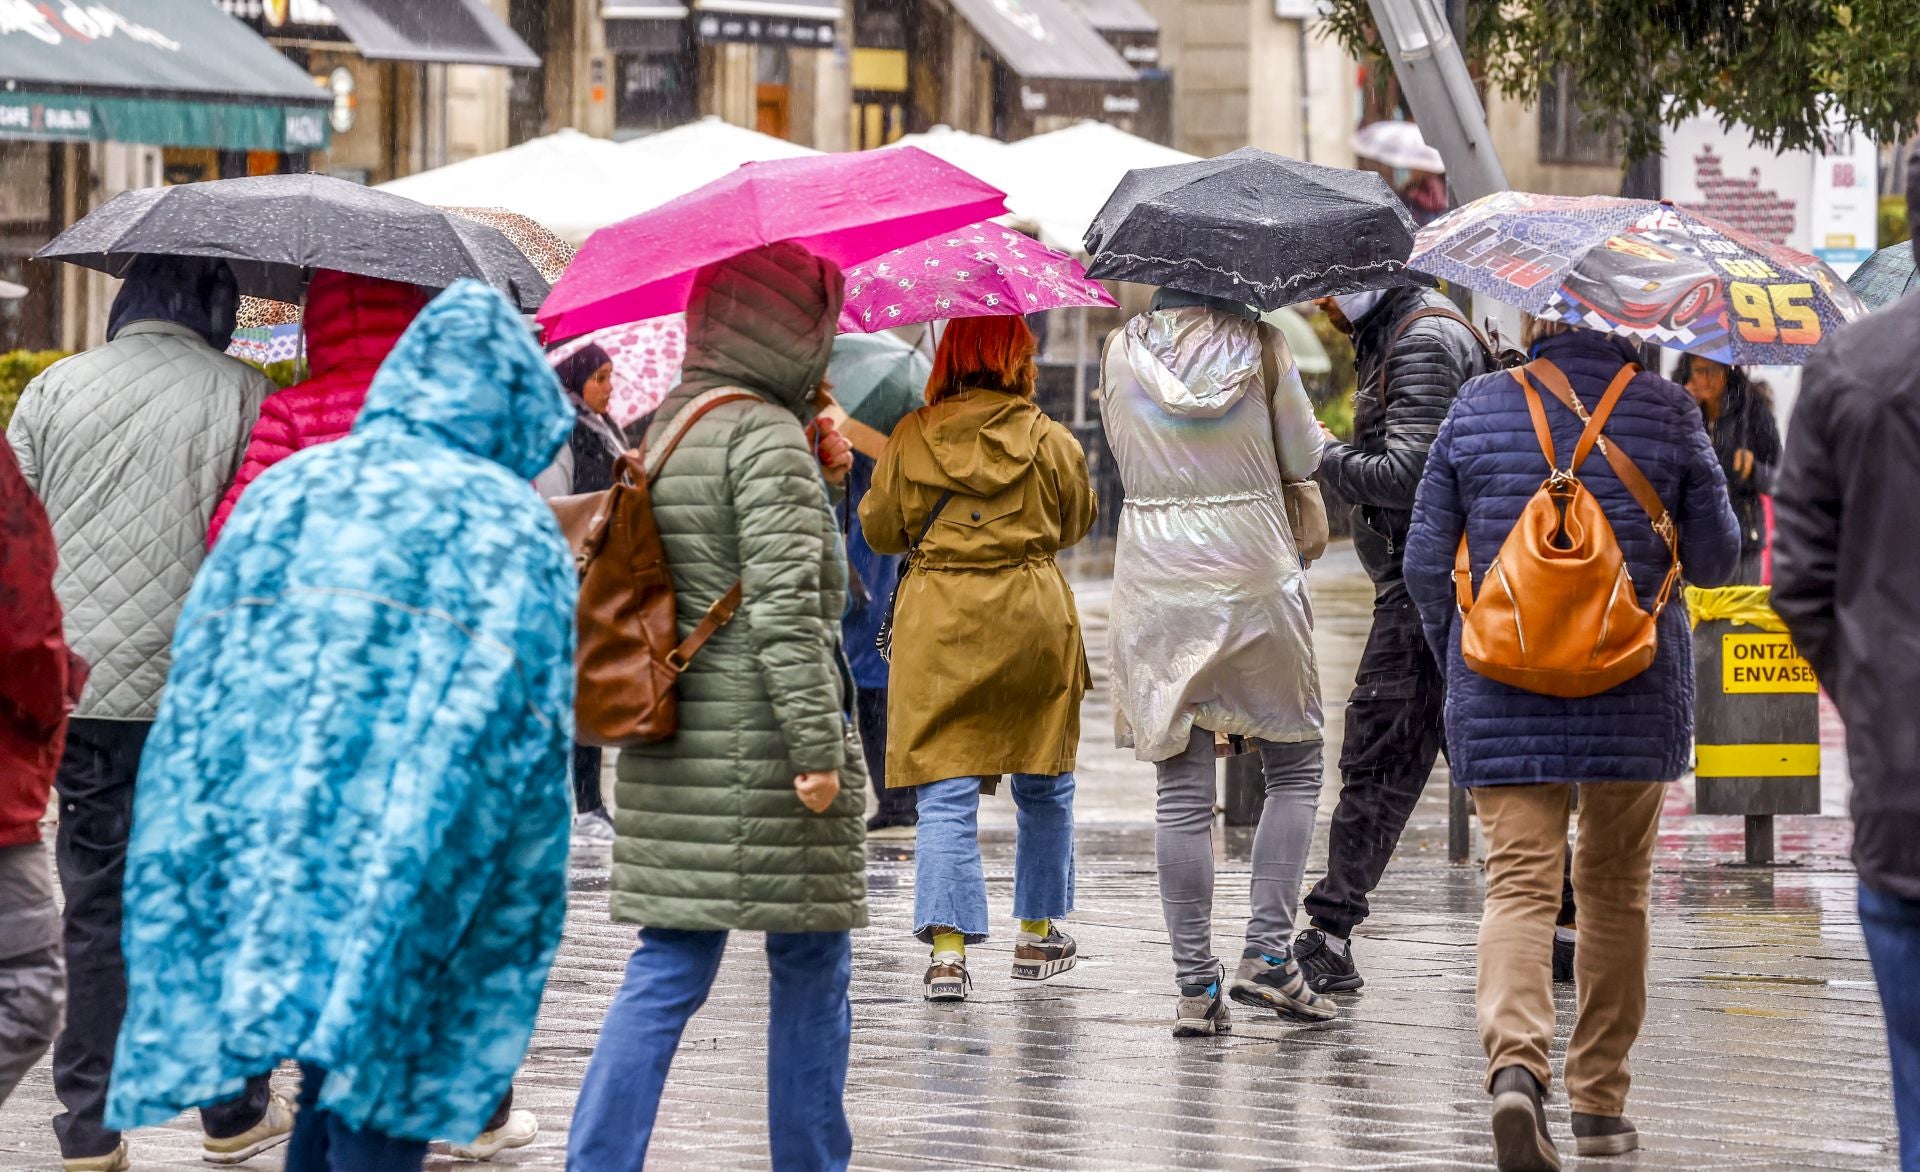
<point x="1762" y="1047"/>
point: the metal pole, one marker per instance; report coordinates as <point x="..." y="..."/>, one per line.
<point x="1760" y="840"/>
<point x="1433" y="76"/>
<point x="1080" y="368"/>
<point x="1459" y="825"/>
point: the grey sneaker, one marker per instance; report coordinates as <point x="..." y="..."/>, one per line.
<point x="1521" y="1141"/>
<point x="275" y="1128"/>
<point x="1264" y="983"/>
<point x="1201" y="1011"/>
<point x="1035" y="958"/>
<point x="947" y="978"/>
<point x="1604" y="1135"/>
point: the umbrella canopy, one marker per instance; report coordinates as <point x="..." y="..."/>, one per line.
<point x="1309" y="356"/>
<point x="981" y="270"/>
<point x="844" y="208"/>
<point x="1644" y="269"/>
<point x="1066" y="175"/>
<point x="1397" y="144"/>
<point x="546" y="251"/>
<point x="646" y="361"/>
<point x="1884" y="277"/>
<point x="570" y="182"/>
<point x="1255" y="227"/>
<point x="275" y="230"/>
<point x="878" y="380"/>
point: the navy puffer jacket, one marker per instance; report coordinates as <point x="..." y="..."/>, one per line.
<point x="1484" y="466"/>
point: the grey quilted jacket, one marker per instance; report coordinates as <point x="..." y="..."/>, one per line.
<point x="130" y="446"/>
<point x="710" y="834"/>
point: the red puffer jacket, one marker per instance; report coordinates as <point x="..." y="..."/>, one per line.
<point x="39" y="679"/>
<point x="352" y="323"/>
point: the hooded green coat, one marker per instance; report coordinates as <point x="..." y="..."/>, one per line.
<point x="710" y="834"/>
<point x="988" y="665"/>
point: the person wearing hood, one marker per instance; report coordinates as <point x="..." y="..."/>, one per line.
<point x="1211" y="626"/>
<point x="741" y="821"/>
<point x="351" y="323"/>
<point x="980" y="491"/>
<point x="129" y="447"/>
<point x="586" y="464"/>
<point x="1412" y="350"/>
<point x="1846" y="579"/>
<point x="350" y="841"/>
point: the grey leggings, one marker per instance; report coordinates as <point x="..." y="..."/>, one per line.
<point x="1183" y="849"/>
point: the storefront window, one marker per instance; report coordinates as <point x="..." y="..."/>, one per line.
<point x="654" y="91"/>
<point x="30" y="175"/>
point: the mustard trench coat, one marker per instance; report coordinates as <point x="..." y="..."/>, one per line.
<point x="988" y="663"/>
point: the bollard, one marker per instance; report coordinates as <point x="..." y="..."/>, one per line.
<point x="1756" y="715"/>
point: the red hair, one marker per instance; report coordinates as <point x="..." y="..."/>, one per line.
<point x="988" y="353"/>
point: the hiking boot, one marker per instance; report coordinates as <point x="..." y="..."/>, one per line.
<point x="518" y="1131"/>
<point x="116" y="1160"/>
<point x="272" y="1131"/>
<point x="1326" y="971"/>
<point x="1264" y="984"/>
<point x="1201" y="1012"/>
<point x="1562" y="960"/>
<point x="947" y="978"/>
<point x="1521" y="1142"/>
<point x="1035" y="958"/>
<point x="1604" y="1135"/>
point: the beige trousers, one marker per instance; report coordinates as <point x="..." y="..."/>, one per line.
<point x="1525" y="827"/>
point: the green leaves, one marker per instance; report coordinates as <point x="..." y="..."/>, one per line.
<point x="1779" y="66"/>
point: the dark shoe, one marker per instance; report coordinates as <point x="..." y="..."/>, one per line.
<point x="892" y="826"/>
<point x="1562" y="959"/>
<point x="1326" y="971"/>
<point x="1282" y="987"/>
<point x="1035" y="958"/>
<point x="1521" y="1142"/>
<point x="1604" y="1135"/>
<point x="1201" y="1011"/>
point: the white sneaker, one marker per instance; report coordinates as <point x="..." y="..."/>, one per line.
<point x="517" y="1132"/>
<point x="593" y="826"/>
<point x="114" y="1161"/>
<point x="272" y="1131"/>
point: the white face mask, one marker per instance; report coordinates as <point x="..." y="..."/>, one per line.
<point x="1358" y="305"/>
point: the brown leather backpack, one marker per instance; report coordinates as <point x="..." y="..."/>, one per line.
<point x="1557" y="613"/>
<point x="630" y="653"/>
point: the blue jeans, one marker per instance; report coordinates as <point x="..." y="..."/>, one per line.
<point x="322" y="1143"/>
<point x="809" y="1024"/>
<point x="949" y="885"/>
<point x="1892" y="927"/>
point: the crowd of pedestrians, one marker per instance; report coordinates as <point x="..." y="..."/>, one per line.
<point x="329" y="632"/>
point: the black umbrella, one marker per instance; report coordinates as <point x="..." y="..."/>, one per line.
<point x="276" y="229"/>
<point x="1253" y="226"/>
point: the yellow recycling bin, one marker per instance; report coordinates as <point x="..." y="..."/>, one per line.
<point x="1756" y="714"/>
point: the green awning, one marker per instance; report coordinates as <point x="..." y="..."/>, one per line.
<point x="162" y="72"/>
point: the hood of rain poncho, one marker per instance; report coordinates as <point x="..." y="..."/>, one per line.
<point x="467" y="372"/>
<point x="764" y="320"/>
<point x="351" y="825"/>
<point x="1195" y="362"/>
<point x="977" y="442"/>
<point x="193" y="291"/>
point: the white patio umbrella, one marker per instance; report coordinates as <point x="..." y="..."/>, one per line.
<point x="696" y="153"/>
<point x="570" y="182"/>
<point x="1397" y="144"/>
<point x="1064" y="177"/>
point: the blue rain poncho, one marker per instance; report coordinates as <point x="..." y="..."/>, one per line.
<point x="351" y="825"/>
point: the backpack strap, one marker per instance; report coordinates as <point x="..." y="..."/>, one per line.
<point x="655" y="458"/>
<point x="1406" y="323"/>
<point x="1623" y="466"/>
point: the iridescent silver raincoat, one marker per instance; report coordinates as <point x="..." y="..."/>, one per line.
<point x="1211" y="623"/>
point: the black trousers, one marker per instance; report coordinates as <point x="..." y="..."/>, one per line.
<point x="870" y="709"/>
<point x="586" y="780"/>
<point x="1394" y="735"/>
<point x="95" y="783"/>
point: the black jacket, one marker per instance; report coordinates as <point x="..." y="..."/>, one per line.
<point x="1379" y="471"/>
<point x="1847" y="570"/>
<point x="1746" y="424"/>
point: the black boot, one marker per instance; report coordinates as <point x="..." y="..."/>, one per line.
<point x="1604" y="1135"/>
<point x="1521" y="1142"/>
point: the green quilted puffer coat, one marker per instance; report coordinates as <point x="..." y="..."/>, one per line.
<point x="710" y="832"/>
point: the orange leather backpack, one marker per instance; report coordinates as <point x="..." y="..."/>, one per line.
<point x="1557" y="613"/>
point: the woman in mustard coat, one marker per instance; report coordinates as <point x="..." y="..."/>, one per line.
<point x="981" y="490"/>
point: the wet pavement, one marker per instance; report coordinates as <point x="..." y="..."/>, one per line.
<point x="1762" y="1048"/>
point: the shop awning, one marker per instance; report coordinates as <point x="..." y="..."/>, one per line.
<point x="806" y="23"/>
<point x="1044" y="40"/>
<point x="1127" y="26"/>
<point x="451" y="32"/>
<point x="161" y="72"/>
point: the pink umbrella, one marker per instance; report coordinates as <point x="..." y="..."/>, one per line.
<point x="982" y="270"/>
<point x="646" y="362"/>
<point x="844" y="207"/>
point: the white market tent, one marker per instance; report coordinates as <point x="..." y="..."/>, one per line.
<point x="572" y="183"/>
<point x="1065" y="176"/>
<point x="976" y="154"/>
